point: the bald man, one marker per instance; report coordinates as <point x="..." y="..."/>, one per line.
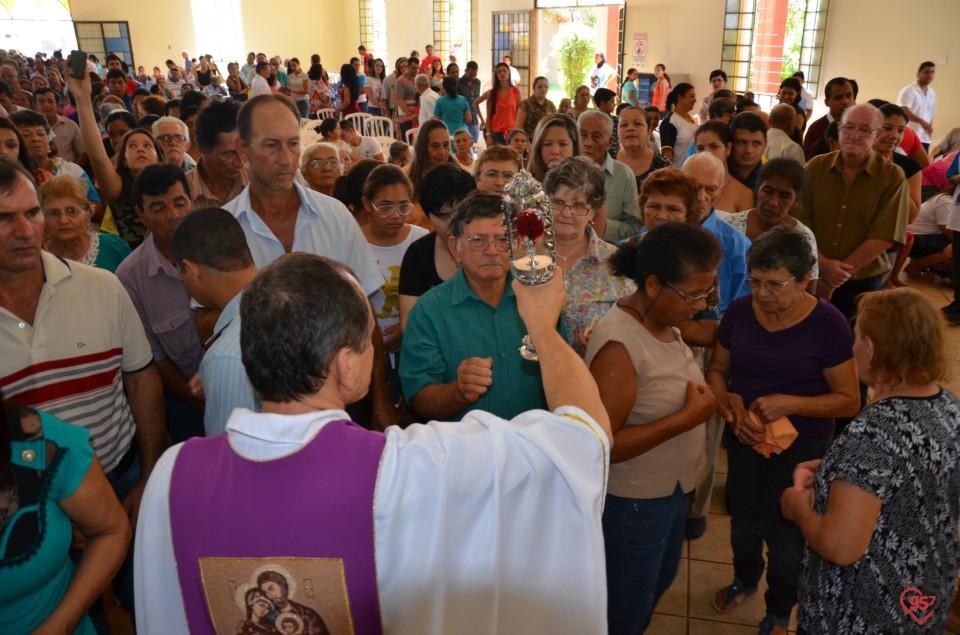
<point x="783" y="124"/>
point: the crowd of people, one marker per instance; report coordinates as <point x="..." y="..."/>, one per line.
<point x="215" y="290"/>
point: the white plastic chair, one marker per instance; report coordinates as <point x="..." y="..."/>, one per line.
<point x="358" y="119"/>
<point x="306" y="122"/>
<point x="327" y="113"/>
<point x="411" y="135"/>
<point x="378" y="127"/>
<point x="385" y="143"/>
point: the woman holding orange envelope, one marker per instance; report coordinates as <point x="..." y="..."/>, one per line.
<point x="782" y="371"/>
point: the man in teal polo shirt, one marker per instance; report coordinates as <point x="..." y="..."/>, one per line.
<point x="461" y="343"/>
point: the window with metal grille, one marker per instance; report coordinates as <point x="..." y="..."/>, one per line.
<point x="511" y="36"/>
<point x="453" y="30"/>
<point x="766" y="40"/>
<point x="225" y="42"/>
<point x="100" y="38"/>
<point x="373" y="28"/>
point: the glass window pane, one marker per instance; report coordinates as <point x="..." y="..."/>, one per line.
<point x="733" y="6"/>
<point x="731" y="20"/>
<point x="746" y="20"/>
<point x="730" y="37"/>
<point x="729" y="53"/>
<point x="111" y="29"/>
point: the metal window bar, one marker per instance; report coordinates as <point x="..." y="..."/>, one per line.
<point x="511" y="36"/>
<point x="101" y="38"/>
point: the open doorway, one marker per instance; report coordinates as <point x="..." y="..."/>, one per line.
<point x="568" y="38"/>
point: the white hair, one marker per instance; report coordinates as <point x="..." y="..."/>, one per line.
<point x="705" y="157"/>
<point x="313" y="147"/>
<point x="156" y="126"/>
<point x="422" y="80"/>
<point x="599" y="116"/>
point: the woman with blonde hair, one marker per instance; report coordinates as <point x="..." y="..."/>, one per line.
<point x="880" y="512"/>
<point x="67" y="229"/>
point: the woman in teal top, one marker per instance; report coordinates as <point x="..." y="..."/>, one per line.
<point x="49" y="481"/>
<point x="66" y="219"/>
<point x="630" y="92"/>
<point x="452" y="108"/>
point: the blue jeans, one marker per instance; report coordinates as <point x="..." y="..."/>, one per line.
<point x="304" y="107"/>
<point x="474" y="129"/>
<point x="643" y="539"/>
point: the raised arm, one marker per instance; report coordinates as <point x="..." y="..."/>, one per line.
<point x="111" y="185"/>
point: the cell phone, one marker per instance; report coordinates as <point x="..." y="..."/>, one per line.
<point x="78" y="64"/>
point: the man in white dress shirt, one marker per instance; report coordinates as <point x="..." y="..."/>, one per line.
<point x="783" y="123"/>
<point x="919" y="101"/>
<point x="279" y="215"/>
<point x="258" y="81"/>
<point x="484" y="526"/>
<point x="428" y="99"/>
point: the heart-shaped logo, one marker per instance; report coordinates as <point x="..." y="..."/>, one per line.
<point x="914" y="602"/>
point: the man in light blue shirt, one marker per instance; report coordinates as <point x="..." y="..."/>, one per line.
<point x="215" y="264"/>
<point x="279" y="216"/>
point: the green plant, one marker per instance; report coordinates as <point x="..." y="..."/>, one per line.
<point x="573" y="49"/>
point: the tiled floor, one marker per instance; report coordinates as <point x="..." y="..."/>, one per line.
<point x="706" y="563"/>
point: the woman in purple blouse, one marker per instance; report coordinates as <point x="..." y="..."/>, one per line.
<point x="780" y="352"/>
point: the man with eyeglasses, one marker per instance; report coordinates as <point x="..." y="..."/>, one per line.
<point x="460" y="348"/>
<point x="174" y="137"/>
<point x="279" y="215"/>
<point x="857" y="205"/>
<point x="709" y="173"/>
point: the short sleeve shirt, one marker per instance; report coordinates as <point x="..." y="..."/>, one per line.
<point x="790" y="361"/>
<point x="157" y="291"/>
<point x="906" y="452"/>
<point x="874" y="206"/>
<point x="324" y="227"/>
<point x="72" y="367"/>
<point x="451" y="323"/>
<point x="452" y="110"/>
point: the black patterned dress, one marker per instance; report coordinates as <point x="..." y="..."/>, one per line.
<point x="905" y="451"/>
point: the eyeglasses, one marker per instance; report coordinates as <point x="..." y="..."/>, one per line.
<point x="850" y="129"/>
<point x="166" y="138"/>
<point x="768" y="285"/>
<point x="578" y="209"/>
<point x="692" y="299"/>
<point x="479" y="243"/>
<point x="319" y="163"/>
<point x="493" y="175"/>
<point x="403" y="209"/>
<point x="70" y="212"/>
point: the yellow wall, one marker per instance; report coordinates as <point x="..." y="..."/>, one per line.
<point x="157" y="32"/>
<point x="881" y="47"/>
<point x="299" y="29"/>
<point x="162" y="31"/>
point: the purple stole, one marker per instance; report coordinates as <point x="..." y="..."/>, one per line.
<point x="322" y="504"/>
